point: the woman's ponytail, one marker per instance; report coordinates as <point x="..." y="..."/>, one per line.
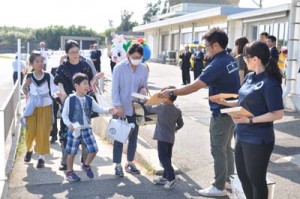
<point x="273" y="70"/>
<point x="261" y="50"/>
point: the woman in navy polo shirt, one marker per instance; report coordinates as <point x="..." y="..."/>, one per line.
<point x="261" y="94"/>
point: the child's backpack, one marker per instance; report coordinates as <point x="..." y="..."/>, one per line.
<point x="72" y="106"/>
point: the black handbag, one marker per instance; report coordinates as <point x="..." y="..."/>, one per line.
<point x="143" y="116"/>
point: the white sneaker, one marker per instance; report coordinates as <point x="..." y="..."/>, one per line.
<point x="160" y="181"/>
<point x="170" y="184"/>
<point x="228" y="185"/>
<point x="212" y="191"/>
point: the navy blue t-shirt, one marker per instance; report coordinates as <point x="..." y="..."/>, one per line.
<point x="222" y="76"/>
<point x="259" y="94"/>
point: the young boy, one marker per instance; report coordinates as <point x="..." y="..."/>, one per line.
<point x="77" y="116"/>
<point x="169" y="120"/>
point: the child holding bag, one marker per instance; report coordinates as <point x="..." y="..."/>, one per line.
<point x="77" y="117"/>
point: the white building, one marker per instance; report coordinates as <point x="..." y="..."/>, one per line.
<point x="188" y="20"/>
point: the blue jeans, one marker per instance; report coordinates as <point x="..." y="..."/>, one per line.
<point x="132" y="142"/>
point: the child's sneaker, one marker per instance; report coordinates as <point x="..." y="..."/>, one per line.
<point x="63" y="167"/>
<point x="160" y="181"/>
<point x="72" y="177"/>
<point x="27" y="157"/>
<point x="119" y="171"/>
<point x="170" y="184"/>
<point x="228" y="185"/>
<point x="40" y="164"/>
<point x="87" y="170"/>
<point x="131" y="168"/>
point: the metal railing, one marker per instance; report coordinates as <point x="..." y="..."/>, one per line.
<point x="9" y="113"/>
<point x="103" y="92"/>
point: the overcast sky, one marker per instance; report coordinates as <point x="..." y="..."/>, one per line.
<point x="90" y="13"/>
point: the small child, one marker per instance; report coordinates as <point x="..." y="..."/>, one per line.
<point x="169" y="120"/>
<point x="77" y="116"/>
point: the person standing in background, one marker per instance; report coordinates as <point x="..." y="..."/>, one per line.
<point x="239" y="46"/>
<point x="44" y="52"/>
<point x="185" y="65"/>
<point x="112" y="64"/>
<point x="198" y="62"/>
<point x="263" y="37"/>
<point x="16" y="69"/>
<point x="271" y="42"/>
<point x="96" y="57"/>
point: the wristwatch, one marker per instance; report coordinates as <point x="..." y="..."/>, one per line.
<point x="250" y="120"/>
<point x="171" y="93"/>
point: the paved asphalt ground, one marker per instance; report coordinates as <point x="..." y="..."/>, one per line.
<point x="191" y="155"/>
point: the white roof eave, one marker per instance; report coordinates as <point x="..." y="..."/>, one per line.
<point x="260" y="12"/>
<point x="204" y="14"/>
<point x="182" y="19"/>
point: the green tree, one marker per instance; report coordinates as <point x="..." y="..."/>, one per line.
<point x="166" y="8"/>
<point x="152" y="10"/>
<point x="126" y="25"/>
<point x="51" y="35"/>
<point x="108" y="34"/>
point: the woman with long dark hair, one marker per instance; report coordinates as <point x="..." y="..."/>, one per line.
<point x="261" y="94"/>
<point x="239" y="46"/>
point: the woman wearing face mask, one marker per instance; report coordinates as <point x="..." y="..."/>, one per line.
<point x="129" y="76"/>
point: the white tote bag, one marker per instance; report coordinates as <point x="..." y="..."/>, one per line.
<point x="118" y="130"/>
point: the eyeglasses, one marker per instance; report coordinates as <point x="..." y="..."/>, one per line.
<point x="73" y="52"/>
<point x="136" y="58"/>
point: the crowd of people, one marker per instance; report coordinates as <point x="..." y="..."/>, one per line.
<point x="252" y="73"/>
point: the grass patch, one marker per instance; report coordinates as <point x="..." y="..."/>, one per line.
<point x="21" y="148"/>
<point x="7" y="56"/>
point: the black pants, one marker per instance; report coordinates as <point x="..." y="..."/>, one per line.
<point x="197" y="71"/>
<point x="251" y="164"/>
<point x="54" y="125"/>
<point x="15" y="77"/>
<point x="186" y="79"/>
<point x="112" y="65"/>
<point x="97" y="66"/>
<point x="165" y="156"/>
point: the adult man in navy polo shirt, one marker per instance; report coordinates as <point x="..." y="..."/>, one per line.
<point x="221" y="76"/>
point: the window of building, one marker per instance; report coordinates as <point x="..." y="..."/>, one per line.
<point x="175" y="42"/>
<point x="165" y="43"/>
<point x="186" y="38"/>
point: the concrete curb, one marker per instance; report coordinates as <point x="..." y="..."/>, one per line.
<point x="146" y="154"/>
<point x="11" y="151"/>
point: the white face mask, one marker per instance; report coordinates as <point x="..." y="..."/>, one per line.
<point x="135" y="61"/>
